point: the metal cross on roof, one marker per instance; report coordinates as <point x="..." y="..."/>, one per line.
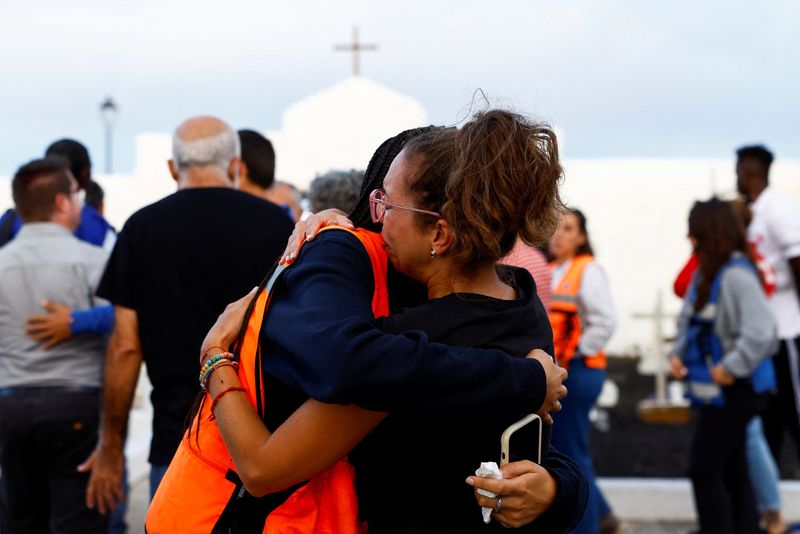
<point x="355" y="47"/>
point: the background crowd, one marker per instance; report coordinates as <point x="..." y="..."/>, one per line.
<point x="82" y="306"/>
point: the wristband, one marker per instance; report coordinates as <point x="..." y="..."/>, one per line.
<point x="221" y="351"/>
<point x="211" y="364"/>
<point x="221" y="363"/>
<point x="223" y="393"/>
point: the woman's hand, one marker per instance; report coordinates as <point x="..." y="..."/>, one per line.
<point x="721" y="376"/>
<point x="526" y="491"/>
<point x="227" y="327"/>
<point x="676" y="367"/>
<point x="556" y="390"/>
<point x="308" y="229"/>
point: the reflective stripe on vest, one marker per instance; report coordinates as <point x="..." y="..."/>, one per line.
<point x="201" y="490"/>
<point x="564" y="318"/>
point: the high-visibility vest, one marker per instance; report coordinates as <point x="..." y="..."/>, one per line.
<point x="564" y="318"/>
<point x="201" y="491"/>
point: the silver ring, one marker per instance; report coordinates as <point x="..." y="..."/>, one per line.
<point x="498" y="505"/>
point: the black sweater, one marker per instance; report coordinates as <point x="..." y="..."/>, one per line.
<point x="411" y="469"/>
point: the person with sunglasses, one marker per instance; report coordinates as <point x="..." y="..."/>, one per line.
<point x="454" y="402"/>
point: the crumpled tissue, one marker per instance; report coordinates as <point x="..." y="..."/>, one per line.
<point x="488" y="470"/>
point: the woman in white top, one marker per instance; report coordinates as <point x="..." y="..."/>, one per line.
<point x="583" y="319"/>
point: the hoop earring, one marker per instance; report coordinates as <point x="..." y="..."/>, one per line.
<point x="433" y="253"/>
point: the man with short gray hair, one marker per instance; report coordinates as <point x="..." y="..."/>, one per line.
<point x="335" y="189"/>
<point x="177" y="263"/>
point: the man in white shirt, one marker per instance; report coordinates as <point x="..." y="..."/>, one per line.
<point x="775" y="230"/>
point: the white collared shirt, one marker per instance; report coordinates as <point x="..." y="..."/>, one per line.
<point x="775" y="230"/>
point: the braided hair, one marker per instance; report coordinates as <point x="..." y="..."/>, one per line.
<point x="376" y="172"/>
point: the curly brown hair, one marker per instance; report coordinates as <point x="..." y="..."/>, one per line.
<point x="492" y="180"/>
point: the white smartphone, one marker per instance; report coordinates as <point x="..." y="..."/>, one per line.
<point x="522" y="440"/>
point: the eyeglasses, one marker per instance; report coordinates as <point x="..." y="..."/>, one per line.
<point x="378" y="206"/>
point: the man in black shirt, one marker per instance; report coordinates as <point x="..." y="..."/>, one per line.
<point x="176" y="264"/>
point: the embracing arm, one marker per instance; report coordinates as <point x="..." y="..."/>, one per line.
<point x="344" y="358"/>
<point x="314" y="437"/>
<point x="120" y="375"/>
<point x="311" y="440"/>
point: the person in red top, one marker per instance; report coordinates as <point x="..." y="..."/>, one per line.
<point x="765" y="272"/>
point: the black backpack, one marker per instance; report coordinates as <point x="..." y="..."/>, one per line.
<point x="7" y="227"/>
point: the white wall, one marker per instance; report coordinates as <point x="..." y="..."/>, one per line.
<point x="637" y="211"/>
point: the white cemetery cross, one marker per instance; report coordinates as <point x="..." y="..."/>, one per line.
<point x="661" y="409"/>
<point x="356" y="47"/>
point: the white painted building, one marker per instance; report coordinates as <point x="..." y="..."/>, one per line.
<point x="637" y="208"/>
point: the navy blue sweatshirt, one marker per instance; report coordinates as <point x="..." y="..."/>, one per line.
<point x="447" y="445"/>
<point x="337" y="353"/>
<point x="322" y="339"/>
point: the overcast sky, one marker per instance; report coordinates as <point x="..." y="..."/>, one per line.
<point x="619" y="78"/>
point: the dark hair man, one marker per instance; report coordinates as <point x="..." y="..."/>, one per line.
<point x="258" y="163"/>
<point x="168" y="283"/>
<point x="257" y="175"/>
<point x="95" y="197"/>
<point x="93" y="228"/>
<point x="49" y="399"/>
<point x="775" y="230"/>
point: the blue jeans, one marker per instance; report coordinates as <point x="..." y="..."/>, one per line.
<point x="157" y="472"/>
<point x="116" y="519"/>
<point x="571" y="436"/>
<point x="763" y="470"/>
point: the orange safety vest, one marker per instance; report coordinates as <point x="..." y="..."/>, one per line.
<point x="200" y="490"/>
<point x="564" y="318"/>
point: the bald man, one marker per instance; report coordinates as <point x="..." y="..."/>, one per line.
<point x="175" y="266"/>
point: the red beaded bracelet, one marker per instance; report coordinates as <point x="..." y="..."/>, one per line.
<point x="223" y="393"/>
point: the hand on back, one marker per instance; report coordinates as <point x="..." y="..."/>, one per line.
<point x="556" y="390"/>
<point x="308" y="229"/>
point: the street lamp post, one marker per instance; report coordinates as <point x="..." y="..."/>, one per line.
<point x="108" y="112"/>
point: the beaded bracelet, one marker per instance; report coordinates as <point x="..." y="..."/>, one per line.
<point x="223" y="393"/>
<point x="207" y="375"/>
<point x="211" y="361"/>
<point x="211" y="364"/>
<point x="221" y="350"/>
<point x="205" y="372"/>
<point x="220" y="364"/>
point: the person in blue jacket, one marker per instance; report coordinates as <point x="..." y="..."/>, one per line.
<point x="94" y="229"/>
<point x="726" y="333"/>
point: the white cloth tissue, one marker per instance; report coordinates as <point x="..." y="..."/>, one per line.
<point x="488" y="470"/>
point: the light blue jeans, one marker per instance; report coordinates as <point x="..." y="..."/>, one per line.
<point x="763" y="469"/>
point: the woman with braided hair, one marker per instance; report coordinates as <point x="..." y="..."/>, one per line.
<point x="444" y="227"/>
